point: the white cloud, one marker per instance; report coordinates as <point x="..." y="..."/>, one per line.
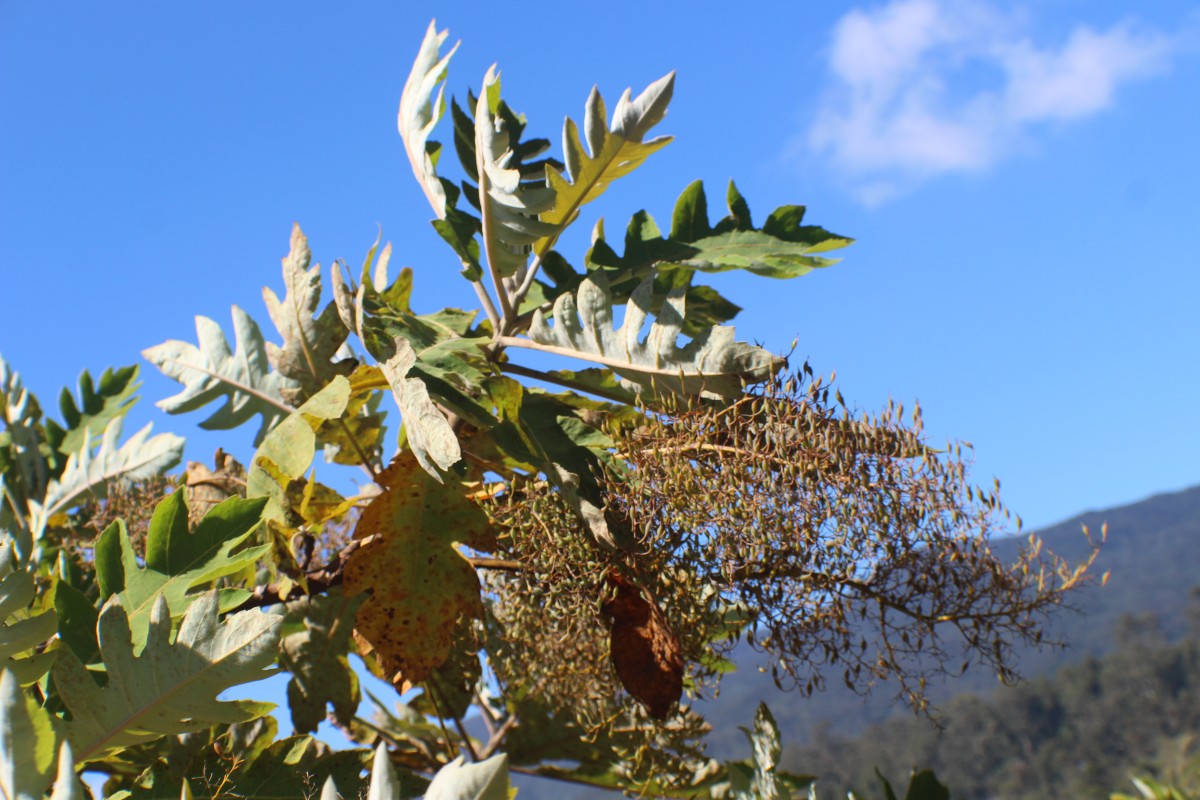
<point x="926" y="87"/>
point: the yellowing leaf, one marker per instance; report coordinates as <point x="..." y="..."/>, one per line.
<point x="420" y="584"/>
<point x="614" y="153"/>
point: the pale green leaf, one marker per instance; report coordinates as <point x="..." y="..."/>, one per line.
<point x="420" y="111"/>
<point x="24" y="470"/>
<point x="171" y="687"/>
<point x="210" y="371"/>
<point x="712" y="364"/>
<point x="28" y="743"/>
<point x="310" y="340"/>
<point x="485" y="780"/>
<point x="89" y="474"/>
<point x="430" y="436"/>
<point x="67" y="785"/>
<point x="384" y="783"/>
<point x="291" y="446"/>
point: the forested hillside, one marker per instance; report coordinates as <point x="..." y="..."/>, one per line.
<point x="1081" y="734"/>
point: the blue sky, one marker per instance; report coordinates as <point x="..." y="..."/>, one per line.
<point x="1020" y="179"/>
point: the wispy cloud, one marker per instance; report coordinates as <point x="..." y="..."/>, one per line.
<point x="921" y="88"/>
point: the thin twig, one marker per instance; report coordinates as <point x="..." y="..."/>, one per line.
<point x="497" y="737"/>
<point x="436" y="688"/>
<point x="537" y="374"/>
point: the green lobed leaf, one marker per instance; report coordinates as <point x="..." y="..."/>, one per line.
<point x="782" y="248"/>
<point x="77" y="618"/>
<point x="25" y="471"/>
<point x="509" y="203"/>
<point x="291" y="446"/>
<point x="176" y="561"/>
<point x="211" y="372"/>
<point x="96" y="407"/>
<point x="171" y="687"/>
<point x="449" y="361"/>
<point x="316" y="658"/>
<point x="20" y="629"/>
<point x="262" y="769"/>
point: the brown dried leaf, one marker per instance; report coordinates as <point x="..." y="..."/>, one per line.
<point x="644" y="651"/>
<point x="420" y="584"/>
<point x="208" y="487"/>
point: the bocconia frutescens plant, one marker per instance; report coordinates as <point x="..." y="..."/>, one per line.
<point x="593" y="490"/>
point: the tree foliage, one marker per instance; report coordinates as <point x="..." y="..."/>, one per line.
<point x="564" y="556"/>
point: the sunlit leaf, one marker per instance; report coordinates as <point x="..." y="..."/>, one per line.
<point x="310" y="340"/>
<point x="241" y="378"/>
<point x="88" y="474"/>
<point x="712" y="364"/>
<point x="171" y="687"/>
<point x="420" y="584"/>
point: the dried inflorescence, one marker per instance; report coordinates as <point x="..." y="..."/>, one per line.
<point x="838" y="543"/>
<point x="857" y="547"/>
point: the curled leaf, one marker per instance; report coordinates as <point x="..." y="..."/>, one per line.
<point x="644" y="650"/>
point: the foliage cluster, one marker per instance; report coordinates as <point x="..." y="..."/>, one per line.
<point x="564" y="554"/>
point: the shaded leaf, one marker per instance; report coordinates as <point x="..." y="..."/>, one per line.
<point x="210" y="371"/>
<point x="28" y="743"/>
<point x="171" y="687"/>
<point x="24" y="468"/>
<point x="316" y="657"/>
<point x="420" y="585"/>
<point x="21" y="630"/>
<point x="77" y="619"/>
